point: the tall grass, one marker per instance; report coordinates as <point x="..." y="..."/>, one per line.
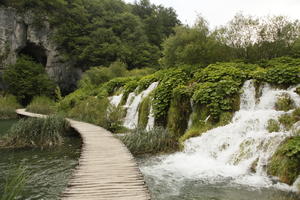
<point x="8" y="106"/>
<point x="42" y="105"/>
<point x="36" y="132"/>
<point x="157" y="140"/>
<point x="14" y="185"/>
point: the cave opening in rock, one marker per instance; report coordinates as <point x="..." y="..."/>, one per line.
<point x="37" y="52"/>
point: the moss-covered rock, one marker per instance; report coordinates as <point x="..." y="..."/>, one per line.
<point x="285" y="163"/>
<point x="273" y="126"/>
<point x="284" y="103"/>
<point x="179" y="111"/>
<point x="296" y="114"/>
<point x="254" y="166"/>
<point x="297" y="90"/>
<point x="202" y="122"/>
<point x="287" y="121"/>
<point x="258" y="89"/>
<point x="144" y="111"/>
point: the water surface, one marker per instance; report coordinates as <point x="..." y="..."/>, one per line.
<point x="49" y="169"/>
<point x="173" y="187"/>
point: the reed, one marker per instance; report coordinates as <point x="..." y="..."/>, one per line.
<point x="37" y="132"/>
<point x="157" y="140"/>
<point x="14" y="184"/>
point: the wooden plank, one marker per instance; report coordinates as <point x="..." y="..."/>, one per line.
<point x="106" y="170"/>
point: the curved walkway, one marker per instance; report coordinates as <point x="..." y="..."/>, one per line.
<point x="106" y="168"/>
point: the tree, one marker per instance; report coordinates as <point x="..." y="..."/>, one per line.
<point x="253" y="39"/>
<point x="158" y="21"/>
<point x="27" y="79"/>
<point x="193" y="46"/>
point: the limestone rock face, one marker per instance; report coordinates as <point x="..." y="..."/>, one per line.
<point x="19" y="35"/>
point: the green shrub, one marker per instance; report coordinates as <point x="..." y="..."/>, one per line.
<point x="37" y="132"/>
<point x="113" y="85"/>
<point x="42" y="105"/>
<point x="113" y="120"/>
<point x="118" y="69"/>
<point x="238" y="72"/>
<point x="180" y="110"/>
<point x="285" y="103"/>
<point x="285" y="163"/>
<point x="157" y="140"/>
<point x="92" y="110"/>
<point x="218" y="97"/>
<point x="283" y="75"/>
<point x="96" y="76"/>
<point x="141" y="72"/>
<point x="27" y="79"/>
<point x="8" y="106"/>
<point x="273" y="126"/>
<point x="163" y="93"/>
<point x="144" y="111"/>
<point x="71" y="100"/>
<point x="146" y="81"/>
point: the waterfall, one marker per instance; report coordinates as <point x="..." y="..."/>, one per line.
<point x="115" y="100"/>
<point x="226" y="154"/>
<point x="151" y="120"/>
<point x="132" y="105"/>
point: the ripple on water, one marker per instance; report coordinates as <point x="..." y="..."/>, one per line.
<point x="49" y="169"/>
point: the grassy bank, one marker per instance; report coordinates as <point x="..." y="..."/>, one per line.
<point x="36" y="132"/>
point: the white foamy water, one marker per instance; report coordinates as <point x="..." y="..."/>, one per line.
<point x="132" y="105"/>
<point x="226" y="154"/>
<point x="151" y="120"/>
<point x="115" y="100"/>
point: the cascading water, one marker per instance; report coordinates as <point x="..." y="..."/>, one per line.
<point x="226" y="154"/>
<point x="132" y="105"/>
<point x="115" y="100"/>
<point x="151" y="120"/>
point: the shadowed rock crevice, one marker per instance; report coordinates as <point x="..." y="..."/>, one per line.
<point x="37" y="52"/>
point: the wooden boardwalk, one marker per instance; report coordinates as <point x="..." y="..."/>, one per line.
<point x="106" y="168"/>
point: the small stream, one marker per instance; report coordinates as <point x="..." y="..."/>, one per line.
<point x="49" y="169"/>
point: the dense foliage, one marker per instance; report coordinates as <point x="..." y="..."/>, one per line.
<point x="163" y="94"/>
<point x="27" y="79"/>
<point x="249" y="39"/>
<point x="193" y="46"/>
<point x="285" y="163"/>
<point x="99" y="32"/>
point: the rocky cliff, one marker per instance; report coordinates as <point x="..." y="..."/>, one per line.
<point x="20" y="35"/>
